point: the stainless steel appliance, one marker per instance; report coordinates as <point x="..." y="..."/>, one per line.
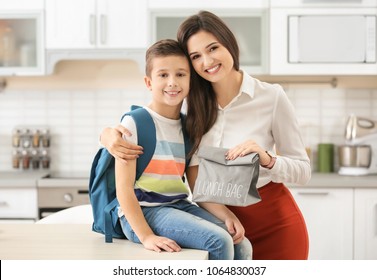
<point x="58" y="191"/>
<point x="359" y="155"/>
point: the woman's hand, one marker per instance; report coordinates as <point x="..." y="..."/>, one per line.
<point x="247" y="147"/>
<point x="121" y="149"/>
<point x="159" y="243"/>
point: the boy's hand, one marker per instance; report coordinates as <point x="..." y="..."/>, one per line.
<point x="235" y="229"/>
<point x="159" y="243"/>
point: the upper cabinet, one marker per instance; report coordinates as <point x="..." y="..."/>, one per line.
<point x="88" y="24"/>
<point x="22" y="38"/>
<point x="323" y="38"/>
<point x="247" y="19"/>
<point x="275" y="37"/>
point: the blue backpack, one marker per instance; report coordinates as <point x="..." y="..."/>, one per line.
<point x="102" y="192"/>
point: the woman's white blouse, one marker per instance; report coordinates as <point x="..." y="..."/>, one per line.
<point x="263" y="113"/>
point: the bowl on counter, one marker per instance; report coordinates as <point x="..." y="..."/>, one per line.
<point x="354" y="155"/>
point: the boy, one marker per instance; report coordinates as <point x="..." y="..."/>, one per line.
<point x="155" y="210"/>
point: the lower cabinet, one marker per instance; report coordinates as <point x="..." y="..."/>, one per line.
<point x="365" y="224"/>
<point x="18" y="204"/>
<point x="341" y="222"/>
<point x="328" y="213"/>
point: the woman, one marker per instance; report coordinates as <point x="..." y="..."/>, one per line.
<point x="239" y="112"/>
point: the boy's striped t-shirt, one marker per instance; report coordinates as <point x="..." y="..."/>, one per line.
<point x="161" y="181"/>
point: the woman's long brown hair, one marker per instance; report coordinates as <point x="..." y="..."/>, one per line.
<point x="202" y="106"/>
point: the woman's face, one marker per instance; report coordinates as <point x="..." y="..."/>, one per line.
<point x="210" y="59"/>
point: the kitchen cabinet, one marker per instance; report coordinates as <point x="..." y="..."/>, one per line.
<point x="18" y="204"/>
<point x="366" y="223"/>
<point x="246" y="19"/>
<point x="24" y="5"/>
<point x="21" y="42"/>
<point x="328" y="213"/>
<point x="88" y="24"/>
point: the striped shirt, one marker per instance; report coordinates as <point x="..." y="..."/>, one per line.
<point x="161" y="182"/>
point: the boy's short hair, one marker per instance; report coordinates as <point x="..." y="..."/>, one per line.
<point x="162" y="48"/>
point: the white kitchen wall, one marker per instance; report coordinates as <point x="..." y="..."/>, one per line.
<point x="76" y="117"/>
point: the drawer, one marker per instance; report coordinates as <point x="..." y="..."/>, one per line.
<point x="18" y="203"/>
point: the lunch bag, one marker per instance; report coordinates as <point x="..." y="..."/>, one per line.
<point x="229" y="182"/>
<point x="102" y="191"/>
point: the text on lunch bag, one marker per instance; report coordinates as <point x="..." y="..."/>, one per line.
<point x="219" y="189"/>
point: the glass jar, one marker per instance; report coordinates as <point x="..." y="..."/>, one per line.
<point x="25" y="159"/>
<point x="36" y="138"/>
<point x="46" y="138"/>
<point x="16" y="159"/>
<point x="8" y="47"/>
<point x="34" y="159"/>
<point x="45" y="159"/>
<point x="26" y="139"/>
<point x="16" y="138"/>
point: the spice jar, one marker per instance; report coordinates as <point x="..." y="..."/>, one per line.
<point x="46" y="138"/>
<point x="16" y="159"/>
<point x="36" y="138"/>
<point x="45" y="159"/>
<point x="34" y="159"/>
<point x="25" y="159"/>
<point x="16" y="138"/>
<point x="26" y="139"/>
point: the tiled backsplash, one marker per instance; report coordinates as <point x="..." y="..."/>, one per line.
<point x="76" y="117"/>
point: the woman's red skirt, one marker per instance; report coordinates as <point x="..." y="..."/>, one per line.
<point x="275" y="225"/>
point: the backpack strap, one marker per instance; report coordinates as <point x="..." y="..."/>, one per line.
<point x="186" y="139"/>
<point x="146" y="136"/>
<point x="109" y="219"/>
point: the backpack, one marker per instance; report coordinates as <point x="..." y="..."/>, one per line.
<point x="102" y="192"/>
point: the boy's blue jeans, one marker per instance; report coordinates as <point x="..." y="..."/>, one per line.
<point x="192" y="227"/>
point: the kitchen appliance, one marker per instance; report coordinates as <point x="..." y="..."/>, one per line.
<point x="60" y="190"/>
<point x="359" y="155"/>
<point x="357" y="32"/>
<point x="323" y="37"/>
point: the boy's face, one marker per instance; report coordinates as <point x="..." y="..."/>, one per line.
<point x="169" y="81"/>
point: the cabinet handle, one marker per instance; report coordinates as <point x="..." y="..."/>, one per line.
<point x="313" y="193"/>
<point x="103" y="29"/>
<point x="375" y="220"/>
<point x="92" y="29"/>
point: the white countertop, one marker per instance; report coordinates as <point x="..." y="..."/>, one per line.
<point x="38" y="179"/>
<point x="34" y="179"/>
<point x="21" y="179"/>
<point x="75" y="242"/>
<point x="335" y="180"/>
